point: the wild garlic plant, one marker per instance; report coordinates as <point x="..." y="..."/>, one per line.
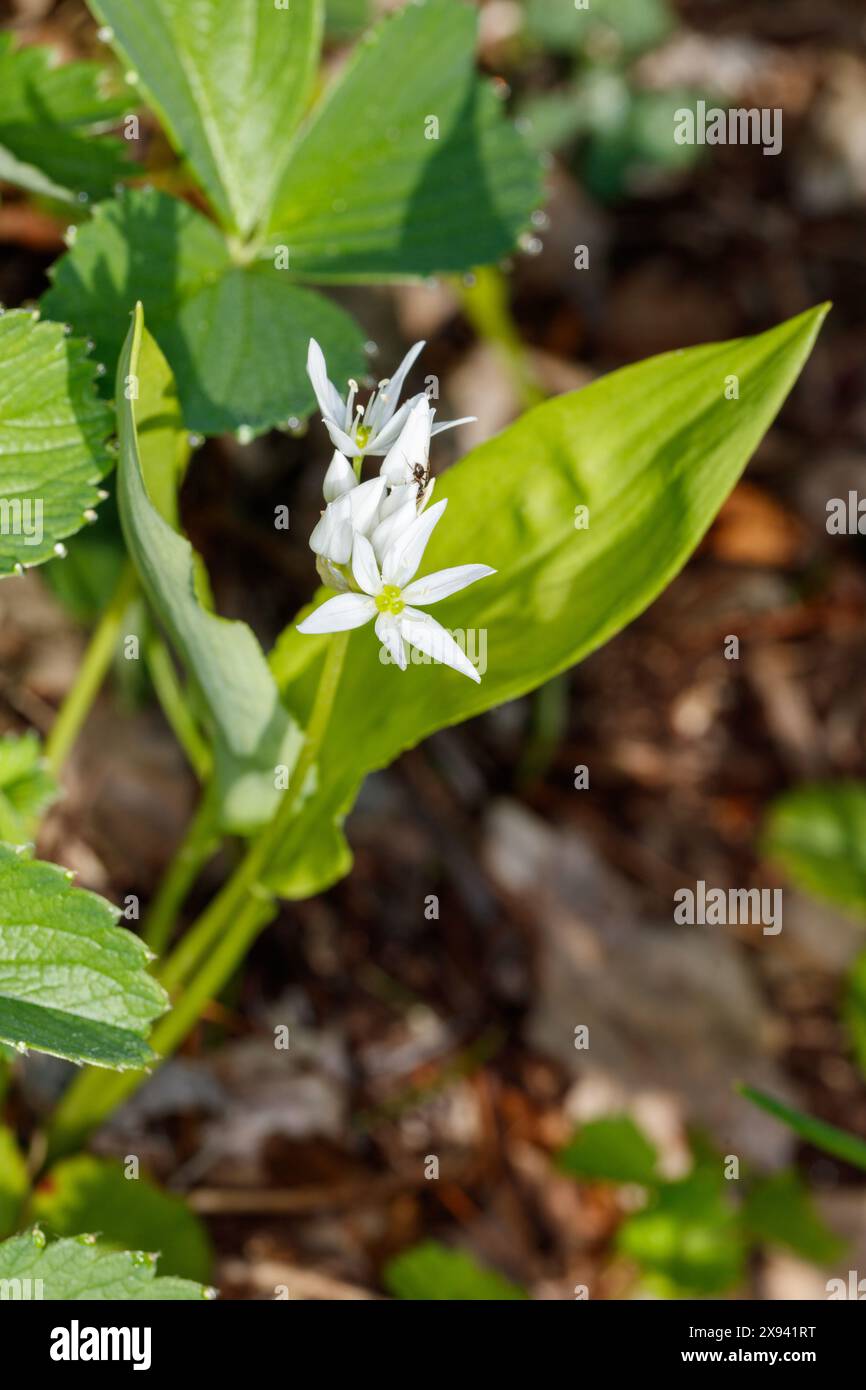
<point x="546" y="540"/>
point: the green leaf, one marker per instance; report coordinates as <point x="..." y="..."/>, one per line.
<point x="229" y="80"/>
<point x="345" y="18"/>
<point x="613" y="1149"/>
<point x="688" y="1237"/>
<point x="652" y="450"/>
<point x="53" y="430"/>
<point x="367" y="192"/>
<point x="433" y="1271"/>
<point x="854" y="1010"/>
<point x="72" y="982"/>
<point x="235" y="335"/>
<point x="27" y="788"/>
<point x="93" y="1194"/>
<point x="50" y="117"/>
<point x="81" y="1269"/>
<point x="14" y="1181"/>
<point x="612" y="28"/>
<point x="818" y="834"/>
<point x="252" y="731"/>
<point x="828" y="1138"/>
<point x="779" y="1210"/>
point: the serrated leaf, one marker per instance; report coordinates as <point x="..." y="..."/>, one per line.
<point x="50" y="117"/>
<point x="235" y="335"/>
<point x="779" y="1210"/>
<point x="77" y="1269"/>
<point x="372" y="189"/>
<point x="432" y="1271"/>
<point x="612" y="1149"/>
<point x="252" y="731"/>
<point x="847" y="1147"/>
<point x="27" y="788"/>
<point x="818" y="834"/>
<point x="14" y="1181"/>
<point x="53" y="432"/>
<point x="652" y="451"/>
<point x="689" y="1236"/>
<point x="93" y="1194"/>
<point x="72" y="982"/>
<point x="229" y="79"/>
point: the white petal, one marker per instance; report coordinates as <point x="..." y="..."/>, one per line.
<point x="423" y="632"/>
<point x="381" y="442"/>
<point x="452" y="424"/>
<point x="434" y="587"/>
<point x="340" y="614"/>
<point x="329" y="398"/>
<point x="388" y="633"/>
<point x="339" y="478"/>
<point x="393" y="526"/>
<point x="340" y="440"/>
<point x="390" y="394"/>
<point x="332" y="534"/>
<point x="364" y="502"/>
<point x="406" y="553"/>
<point x="364" y="566"/>
<point x="411" y="448"/>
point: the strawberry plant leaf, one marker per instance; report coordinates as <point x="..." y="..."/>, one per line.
<point x="72" y="982"/>
<point x="80" y="1268"/>
<point x="433" y="1271"/>
<point x="235" y="335"/>
<point x="253" y="732"/>
<point x="818" y="835"/>
<point x="392" y="177"/>
<point x="53" y="431"/>
<point x="651" y="451"/>
<point x="93" y="1194"/>
<point x="50" y="119"/>
<point x="27" y="788"/>
<point x="229" y="79"/>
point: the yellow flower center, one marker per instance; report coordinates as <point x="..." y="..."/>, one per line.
<point x="362" y="436"/>
<point x="389" y="601"/>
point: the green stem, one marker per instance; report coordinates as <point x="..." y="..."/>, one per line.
<point x="91" y="673"/>
<point x="216" y="943"/>
<point x="175" y="706"/>
<point x="487" y="306"/>
<point x="198" y="845"/>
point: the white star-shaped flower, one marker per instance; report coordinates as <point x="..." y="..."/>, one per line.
<point x="358" y="430"/>
<point x="387" y="597"/>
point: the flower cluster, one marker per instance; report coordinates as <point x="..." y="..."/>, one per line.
<point x="370" y="539"/>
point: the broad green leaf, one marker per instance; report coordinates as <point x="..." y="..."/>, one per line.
<point x="345" y="18"/>
<point x="53" y="432"/>
<point x="229" y="80"/>
<point x="779" y="1210"/>
<point x="689" y="1237"/>
<point x="652" y="450"/>
<point x="67" y="1270"/>
<point x="27" y="788"/>
<point x="14" y="1181"/>
<point x="72" y="982"/>
<point x="372" y="188"/>
<point x="235" y="335"/>
<point x="431" y="1271"/>
<point x="93" y="1194"/>
<point x="50" y="119"/>
<point x="818" y="834"/>
<point x="847" y="1147"/>
<point x="252" y="731"/>
<point x="612" y="1149"/>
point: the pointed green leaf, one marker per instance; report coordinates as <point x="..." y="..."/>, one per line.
<point x="652" y="451"/>
<point x="408" y="166"/>
<point x="50" y="117"/>
<point x="235" y="335"/>
<point x="612" y="1149"/>
<point x="818" y="834"/>
<point x="252" y="731"/>
<point x="847" y="1147"/>
<point x="53" y="432"/>
<point x="93" y="1194"/>
<point x="72" y="982"/>
<point x="432" y="1271"/>
<point x="66" y="1270"/>
<point x="779" y="1210"/>
<point x="27" y="788"/>
<point x="229" y="80"/>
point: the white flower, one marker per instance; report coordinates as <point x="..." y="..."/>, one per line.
<point x="387" y="597"/>
<point x="371" y="429"/>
